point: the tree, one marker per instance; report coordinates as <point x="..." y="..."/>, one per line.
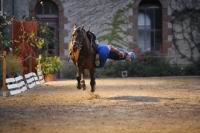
<point x="115" y="33"/>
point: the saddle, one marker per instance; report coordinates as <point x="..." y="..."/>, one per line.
<point x="92" y="38"/>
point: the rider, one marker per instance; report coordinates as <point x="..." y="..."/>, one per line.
<point x="105" y="51"/>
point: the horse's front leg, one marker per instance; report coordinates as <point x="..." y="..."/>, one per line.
<point x="92" y="80"/>
<point x="82" y="80"/>
<point x="78" y="78"/>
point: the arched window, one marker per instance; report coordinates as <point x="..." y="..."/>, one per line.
<point x="150" y="25"/>
<point x="46" y="7"/>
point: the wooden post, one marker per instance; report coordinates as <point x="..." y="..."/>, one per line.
<point x="4" y="88"/>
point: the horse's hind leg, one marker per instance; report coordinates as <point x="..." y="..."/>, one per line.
<point x="92" y="80"/>
<point x="83" y="84"/>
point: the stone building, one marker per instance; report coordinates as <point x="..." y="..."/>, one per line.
<point x="149" y="23"/>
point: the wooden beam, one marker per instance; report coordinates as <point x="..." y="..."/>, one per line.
<point x="4" y="88"/>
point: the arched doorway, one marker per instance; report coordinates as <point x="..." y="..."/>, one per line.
<point x="48" y="13"/>
<point x="150" y="25"/>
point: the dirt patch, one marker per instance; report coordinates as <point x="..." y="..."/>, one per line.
<point x="139" y="105"/>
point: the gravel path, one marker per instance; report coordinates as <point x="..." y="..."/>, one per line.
<point x="131" y="105"/>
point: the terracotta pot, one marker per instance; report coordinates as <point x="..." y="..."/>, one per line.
<point x="50" y="77"/>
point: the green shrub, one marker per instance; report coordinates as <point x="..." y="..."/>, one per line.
<point x="50" y="64"/>
<point x="193" y="69"/>
<point x="150" y="65"/>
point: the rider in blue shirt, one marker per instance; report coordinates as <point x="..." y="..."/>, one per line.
<point x="105" y="51"/>
<point x="108" y="51"/>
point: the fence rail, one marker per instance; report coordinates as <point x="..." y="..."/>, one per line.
<point x="11" y="85"/>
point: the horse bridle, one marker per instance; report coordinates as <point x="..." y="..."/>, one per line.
<point x="77" y="45"/>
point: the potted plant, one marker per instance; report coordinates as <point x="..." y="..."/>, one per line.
<point x="50" y="65"/>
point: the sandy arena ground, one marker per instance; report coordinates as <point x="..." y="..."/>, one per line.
<point x="132" y="105"/>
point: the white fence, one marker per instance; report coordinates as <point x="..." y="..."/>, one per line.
<point x="20" y="84"/>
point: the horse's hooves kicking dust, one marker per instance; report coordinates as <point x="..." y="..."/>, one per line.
<point x="93" y="96"/>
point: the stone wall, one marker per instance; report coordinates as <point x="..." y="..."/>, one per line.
<point x="183" y="35"/>
<point x="17" y="8"/>
<point x="93" y="14"/>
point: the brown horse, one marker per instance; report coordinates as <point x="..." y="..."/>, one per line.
<point x="83" y="54"/>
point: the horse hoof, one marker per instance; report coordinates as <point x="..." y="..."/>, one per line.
<point x="83" y="84"/>
<point x="78" y="87"/>
<point x="92" y="90"/>
<point x="84" y="87"/>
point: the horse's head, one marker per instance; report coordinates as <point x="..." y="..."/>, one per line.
<point x="78" y="37"/>
<point x="78" y="40"/>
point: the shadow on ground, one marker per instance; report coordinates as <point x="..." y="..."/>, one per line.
<point x="139" y="98"/>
